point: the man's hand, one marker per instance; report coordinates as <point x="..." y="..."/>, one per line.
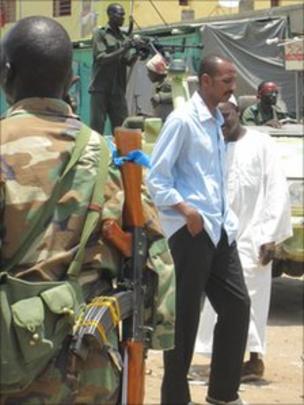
<point x="266" y="253"/>
<point x="127" y="44"/>
<point x="274" y="123"/>
<point x="195" y="222"/>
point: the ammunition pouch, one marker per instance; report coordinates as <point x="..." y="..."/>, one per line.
<point x="35" y="319"/>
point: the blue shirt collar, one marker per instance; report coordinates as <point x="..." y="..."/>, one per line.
<point x="203" y="111"/>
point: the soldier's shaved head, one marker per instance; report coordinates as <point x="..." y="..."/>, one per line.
<point x="114" y="8"/>
<point x="116" y="14"/>
<point x="38" y="57"/>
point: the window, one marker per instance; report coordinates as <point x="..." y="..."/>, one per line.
<point x="7" y="11"/>
<point x="61" y="8"/>
<point x="183" y="2"/>
<point x="274" y="3"/>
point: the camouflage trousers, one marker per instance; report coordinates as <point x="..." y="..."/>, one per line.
<point x="99" y="379"/>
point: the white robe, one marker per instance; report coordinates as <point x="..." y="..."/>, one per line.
<point x="258" y="194"/>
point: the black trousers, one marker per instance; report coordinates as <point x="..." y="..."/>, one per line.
<point x="201" y="267"/>
<point x="102" y="105"/>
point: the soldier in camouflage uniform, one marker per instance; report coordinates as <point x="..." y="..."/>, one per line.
<point x="37" y="137"/>
<point x="265" y="111"/>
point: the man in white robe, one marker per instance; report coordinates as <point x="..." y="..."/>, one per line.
<point x="258" y="194"/>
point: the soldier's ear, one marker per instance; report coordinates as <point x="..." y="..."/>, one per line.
<point x="6" y="74"/>
<point x="67" y="83"/>
<point x="7" y="81"/>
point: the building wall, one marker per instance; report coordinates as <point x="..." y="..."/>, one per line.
<point x="146" y="15"/>
<point x="146" y="12"/>
<point x="261" y="4"/>
<point x="25" y="8"/>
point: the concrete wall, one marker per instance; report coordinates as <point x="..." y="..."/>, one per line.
<point x="146" y="13"/>
<point x="72" y="23"/>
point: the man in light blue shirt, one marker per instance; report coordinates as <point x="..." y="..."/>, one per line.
<point x="187" y="184"/>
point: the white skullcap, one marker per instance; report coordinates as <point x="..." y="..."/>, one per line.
<point x="158" y="64"/>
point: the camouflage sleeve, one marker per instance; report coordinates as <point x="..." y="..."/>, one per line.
<point x="152" y="223"/>
<point x="114" y="195"/>
<point x="161" y="263"/>
<point x="248" y="117"/>
<point x="2" y="192"/>
<point x="282" y="114"/>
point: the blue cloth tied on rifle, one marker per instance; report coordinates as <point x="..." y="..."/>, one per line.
<point x="135" y="156"/>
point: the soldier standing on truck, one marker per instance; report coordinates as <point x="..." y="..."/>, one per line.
<point x="112" y="54"/>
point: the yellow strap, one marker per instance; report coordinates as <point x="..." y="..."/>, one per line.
<point x="111" y="303"/>
<point x="78" y="322"/>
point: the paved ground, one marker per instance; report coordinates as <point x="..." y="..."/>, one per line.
<point x="283" y="382"/>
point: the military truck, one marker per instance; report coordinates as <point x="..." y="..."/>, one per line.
<point x="289" y="257"/>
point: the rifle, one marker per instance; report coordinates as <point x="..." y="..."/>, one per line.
<point x="146" y="45"/>
<point x="133" y="219"/>
<point x="127" y="303"/>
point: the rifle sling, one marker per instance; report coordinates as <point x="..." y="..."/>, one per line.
<point x="95" y="208"/>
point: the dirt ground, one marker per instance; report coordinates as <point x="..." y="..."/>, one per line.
<point x="283" y="379"/>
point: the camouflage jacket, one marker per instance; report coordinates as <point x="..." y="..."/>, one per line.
<point x="254" y="115"/>
<point x="37" y="137"/>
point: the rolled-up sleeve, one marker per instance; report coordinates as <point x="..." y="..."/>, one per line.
<point x="160" y="178"/>
<point x="99" y="46"/>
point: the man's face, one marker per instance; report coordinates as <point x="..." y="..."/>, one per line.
<point x="117" y="16"/>
<point x="222" y="85"/>
<point x="269" y="94"/>
<point x="270" y="98"/>
<point x="231" y="121"/>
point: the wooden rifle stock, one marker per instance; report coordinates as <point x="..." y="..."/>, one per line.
<point x="133" y="220"/>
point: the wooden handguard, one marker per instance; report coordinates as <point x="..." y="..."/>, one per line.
<point x="128" y="140"/>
